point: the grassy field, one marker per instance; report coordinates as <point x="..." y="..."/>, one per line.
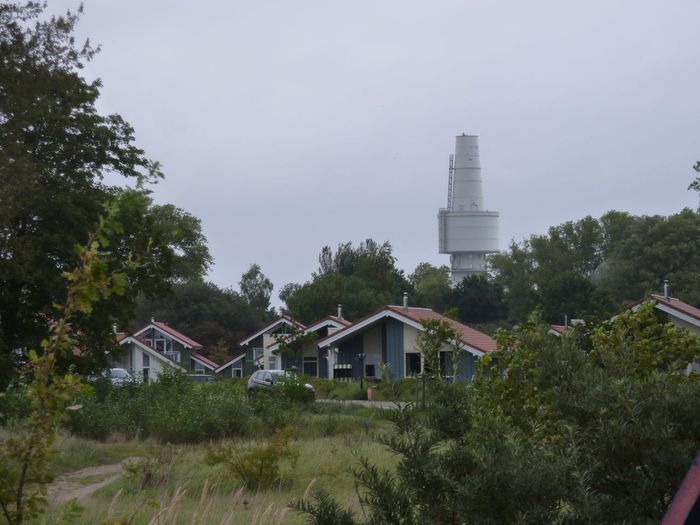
<point x="194" y="491"/>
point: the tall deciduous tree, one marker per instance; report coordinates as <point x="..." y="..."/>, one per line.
<point x="55" y="149"/>
<point x="431" y="286"/>
<point x="256" y="288"/>
<point x="362" y="278"/>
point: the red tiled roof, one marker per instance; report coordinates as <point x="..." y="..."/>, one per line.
<point x="174" y="333"/>
<point x="559" y="328"/>
<point x="678" y="305"/>
<point x="205" y="360"/>
<point x="470" y="336"/>
<point x="337" y="319"/>
<point x="119" y="336"/>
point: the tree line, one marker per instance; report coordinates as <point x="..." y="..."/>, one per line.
<point x="56" y="149"/>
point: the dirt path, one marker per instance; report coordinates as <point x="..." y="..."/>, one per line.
<point x="83" y="482"/>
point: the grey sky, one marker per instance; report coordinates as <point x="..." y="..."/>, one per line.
<point x="288" y="125"/>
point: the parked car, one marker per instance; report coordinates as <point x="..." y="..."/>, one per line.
<point x="204" y="378"/>
<point x="119" y="376"/>
<point x="269" y="380"/>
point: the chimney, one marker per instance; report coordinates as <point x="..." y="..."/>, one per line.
<point x="114" y="328"/>
<point x="666" y="290"/>
<point x="153" y="320"/>
<point x="405" y="300"/>
<point x="340" y="311"/>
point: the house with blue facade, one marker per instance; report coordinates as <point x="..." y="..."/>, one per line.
<point x="389" y="336"/>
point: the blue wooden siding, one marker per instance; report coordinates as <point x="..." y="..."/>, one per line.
<point x="393" y="351"/>
<point x="347" y="354"/>
<point x="467" y="366"/>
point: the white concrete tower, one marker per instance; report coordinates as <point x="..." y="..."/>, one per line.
<point x="466" y="231"/>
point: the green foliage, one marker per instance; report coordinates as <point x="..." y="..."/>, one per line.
<point x="256" y="288"/>
<point x="174" y="410"/>
<point x="594" y="266"/>
<point x="479" y="299"/>
<point x="431" y="286"/>
<point x="55" y="150"/>
<point x="152" y="470"/>
<point x="321" y="509"/>
<point x="293" y="345"/>
<point x="212" y="316"/>
<point x="257" y="467"/>
<point x="26" y="455"/>
<point x="362" y="278"/>
<point x="594" y="427"/>
<point x="640" y="344"/>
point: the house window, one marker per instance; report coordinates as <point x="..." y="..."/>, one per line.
<point x="257" y="354"/>
<point x="446" y="364"/>
<point x="162" y="344"/>
<point x="197" y="367"/>
<point x="413" y="364"/>
<point x="311" y="366"/>
<point x="272" y="361"/>
<point x="175" y="356"/>
<point x="236" y="372"/>
<point x="146" y="367"/>
<point x="370" y="370"/>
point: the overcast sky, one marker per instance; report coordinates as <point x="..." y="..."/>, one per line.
<point x="288" y="125"/>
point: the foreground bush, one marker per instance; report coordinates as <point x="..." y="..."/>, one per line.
<point x="594" y="427"/>
<point x="174" y="410"/>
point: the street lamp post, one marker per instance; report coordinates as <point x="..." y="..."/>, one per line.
<point x="361" y="356"/>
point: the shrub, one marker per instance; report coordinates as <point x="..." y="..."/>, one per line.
<point x="172" y="410"/>
<point x="257" y="467"/>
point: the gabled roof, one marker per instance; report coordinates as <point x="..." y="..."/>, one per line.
<point x="284" y="319"/>
<point x="680" y="308"/>
<point x="171" y="332"/>
<point x="229" y="363"/>
<point x="150" y="351"/>
<point x="211" y="365"/>
<point x="331" y="320"/>
<point x="558" y="329"/>
<point x="475" y="341"/>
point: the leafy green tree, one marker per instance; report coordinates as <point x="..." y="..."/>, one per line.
<point x="55" y="149"/>
<point x="256" y="288"/>
<point x="597" y="426"/>
<point x="293" y="345"/>
<point x="26" y="455"/>
<point x="592" y="267"/>
<point x="431" y="286"/>
<point x="479" y="299"/>
<point x="435" y="337"/>
<point x="362" y="279"/>
<point x="648" y="250"/>
<point x="218" y="318"/>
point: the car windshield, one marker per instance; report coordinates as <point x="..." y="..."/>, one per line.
<point x="119" y="373"/>
<point x="279" y="374"/>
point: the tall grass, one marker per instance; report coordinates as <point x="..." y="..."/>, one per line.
<point x="199" y="493"/>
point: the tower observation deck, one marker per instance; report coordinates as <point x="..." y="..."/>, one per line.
<point x="466" y="230"/>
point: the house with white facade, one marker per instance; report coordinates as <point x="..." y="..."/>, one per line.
<point x="157" y="346"/>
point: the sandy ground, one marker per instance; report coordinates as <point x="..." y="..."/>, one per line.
<point x="83" y="482"/>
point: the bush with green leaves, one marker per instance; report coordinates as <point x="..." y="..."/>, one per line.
<point x="598" y="426"/>
<point x="258" y="467"/>
<point x="174" y="410"/>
